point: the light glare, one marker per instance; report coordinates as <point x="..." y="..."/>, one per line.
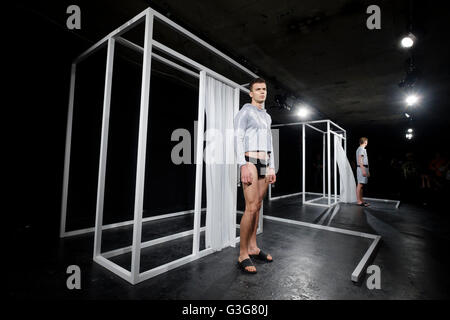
<point x="303" y="112"/>
<point x="411" y="99"/>
<point x="407" y="42"/>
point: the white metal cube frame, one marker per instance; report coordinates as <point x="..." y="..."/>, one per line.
<point x="135" y="275"/>
<point x="326" y="155"/>
<point x="332" y="200"/>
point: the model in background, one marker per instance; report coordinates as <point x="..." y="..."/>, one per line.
<point x="362" y="170"/>
<point x="254" y="152"/>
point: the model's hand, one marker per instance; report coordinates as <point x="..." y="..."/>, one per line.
<point x="271" y="175"/>
<point x="364" y="173"/>
<point x="246" y="176"/>
<point x="368" y="174"/>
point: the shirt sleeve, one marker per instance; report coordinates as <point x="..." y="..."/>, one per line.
<point x="359" y="153"/>
<point x="272" y="154"/>
<point x="240" y="125"/>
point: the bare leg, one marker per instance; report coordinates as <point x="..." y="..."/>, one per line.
<point x="359" y="193"/>
<point x="253" y="247"/>
<point x="251" y="195"/>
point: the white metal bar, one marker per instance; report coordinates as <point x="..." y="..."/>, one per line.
<point x="345" y="143"/>
<point x="303" y="163"/>
<point x="314" y="193"/>
<point x="381" y="200"/>
<point x="175" y="65"/>
<point x="323" y="165"/>
<point x="142" y="148"/>
<point x="114" y="268"/>
<point x="103" y="149"/>
<point x="172" y="265"/>
<point x="198" y="66"/>
<point x="328" y="163"/>
<point x="315" y="199"/>
<point x="295" y="194"/>
<point x="203" y="43"/>
<point x="126" y="223"/>
<point x="65" y="189"/>
<point x="286" y="196"/>
<point x="235" y="172"/>
<point x="138" y="19"/>
<point x="298" y="123"/>
<point x="260" y="220"/>
<point x="199" y="161"/>
<point x="138" y="48"/>
<point x="320" y="204"/>
<point x="321" y="227"/>
<point x="270" y="191"/>
<point x="123" y="28"/>
<point x="337" y="134"/>
<point x="335" y="170"/>
<point x="150" y="243"/>
<point x="356" y="274"/>
<point x="312" y="127"/>
<point x="334" y="124"/>
<point x="335" y="210"/>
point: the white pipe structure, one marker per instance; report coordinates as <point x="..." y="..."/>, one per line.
<point x="326" y="158"/>
<point x="135" y="275"/>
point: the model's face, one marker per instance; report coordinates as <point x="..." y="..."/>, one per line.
<point x="259" y="92"/>
<point x="365" y="144"/>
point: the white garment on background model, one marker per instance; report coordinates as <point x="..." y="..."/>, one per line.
<point x="347" y="179"/>
<point x="220" y="167"/>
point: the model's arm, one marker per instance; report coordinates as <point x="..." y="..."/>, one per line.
<point x="240" y="125"/>
<point x="361" y="164"/>
<point x="361" y="161"/>
<point x="272" y="176"/>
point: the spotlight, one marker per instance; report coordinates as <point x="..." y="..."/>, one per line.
<point x="411" y="100"/>
<point x="407" y="115"/>
<point x="408" y="40"/>
<point x="409" y="136"/>
<point x="303" y="112"/>
<point x="410" y="130"/>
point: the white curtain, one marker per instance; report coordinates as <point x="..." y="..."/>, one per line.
<point x="221" y="189"/>
<point x="347" y="179"/>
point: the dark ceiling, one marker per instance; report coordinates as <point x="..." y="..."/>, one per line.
<point x="319" y="52"/>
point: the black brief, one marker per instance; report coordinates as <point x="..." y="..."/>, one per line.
<point x="262" y="166"/>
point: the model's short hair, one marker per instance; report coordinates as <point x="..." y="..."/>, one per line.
<point x="256" y="80"/>
<point x="362" y="140"/>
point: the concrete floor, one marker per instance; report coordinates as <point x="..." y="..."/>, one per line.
<point x="308" y="263"/>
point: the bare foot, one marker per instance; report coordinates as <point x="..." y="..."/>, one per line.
<point x="248" y="268"/>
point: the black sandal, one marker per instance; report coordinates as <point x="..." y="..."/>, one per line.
<point x="261" y="256"/>
<point x="246" y="263"/>
<point x="363" y="204"/>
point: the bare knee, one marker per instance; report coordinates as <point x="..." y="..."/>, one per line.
<point x="253" y="208"/>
